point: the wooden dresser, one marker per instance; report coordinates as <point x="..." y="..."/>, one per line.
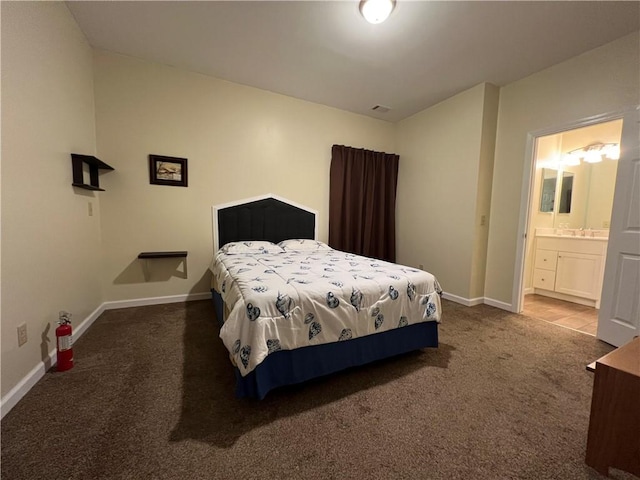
<point x="614" y="424"/>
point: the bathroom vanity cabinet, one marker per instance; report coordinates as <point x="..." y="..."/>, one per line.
<point x="570" y="268"/>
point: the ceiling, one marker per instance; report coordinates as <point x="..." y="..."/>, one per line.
<point x="325" y="52"/>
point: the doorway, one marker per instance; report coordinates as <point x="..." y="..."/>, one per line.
<point x="571" y="187"/>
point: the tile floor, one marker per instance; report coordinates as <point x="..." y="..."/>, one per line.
<point x="565" y="314"/>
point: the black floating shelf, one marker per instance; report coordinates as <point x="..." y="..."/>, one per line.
<point x="87" y="187"/>
<point x="162" y="254"/>
<point x="77" y="161"/>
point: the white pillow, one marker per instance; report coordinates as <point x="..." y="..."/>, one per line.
<point x="303" y="245"/>
<point x="253" y="247"/>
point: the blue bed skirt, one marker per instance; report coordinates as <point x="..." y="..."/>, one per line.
<point x="288" y="367"/>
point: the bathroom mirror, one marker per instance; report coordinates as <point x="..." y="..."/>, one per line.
<point x="566" y="191"/>
<point x="584" y="195"/>
<point x="548" y="192"/>
<point x="569" y="192"/>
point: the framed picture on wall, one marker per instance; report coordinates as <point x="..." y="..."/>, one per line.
<point x="167" y="170"/>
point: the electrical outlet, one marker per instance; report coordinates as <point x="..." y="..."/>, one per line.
<point x="483" y="220"/>
<point x="606" y="224"/>
<point x="22" y="334"/>
<point x="90" y="207"/>
<point x="421" y="267"/>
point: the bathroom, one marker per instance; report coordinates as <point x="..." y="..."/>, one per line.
<point x="569" y="216"/>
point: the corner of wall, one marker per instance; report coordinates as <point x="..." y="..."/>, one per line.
<point x="50" y="242"/>
<point x="484" y="185"/>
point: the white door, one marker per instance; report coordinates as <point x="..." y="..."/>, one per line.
<point x="619" y="318"/>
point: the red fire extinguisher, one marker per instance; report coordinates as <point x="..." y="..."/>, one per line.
<point x="64" y="341"/>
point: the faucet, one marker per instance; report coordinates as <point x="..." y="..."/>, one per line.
<point x="581" y="232"/>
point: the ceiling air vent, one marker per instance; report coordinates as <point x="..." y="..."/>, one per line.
<point x="381" y="109"/>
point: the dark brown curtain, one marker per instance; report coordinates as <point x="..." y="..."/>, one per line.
<point x="362" y="202"/>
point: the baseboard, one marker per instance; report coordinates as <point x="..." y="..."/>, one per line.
<point x="470" y="302"/>
<point x="142" y="302"/>
<point x="467" y="302"/>
<point x="498" y="304"/>
<point x="529" y="291"/>
<point x="86" y="323"/>
<point x="567" y="298"/>
<point x="12" y="398"/>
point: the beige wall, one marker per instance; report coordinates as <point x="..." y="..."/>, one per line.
<point x="439" y="186"/>
<point x="483" y="197"/>
<point x="600" y="194"/>
<point x="239" y="141"/>
<point x="602" y="80"/>
<point x="50" y="246"/>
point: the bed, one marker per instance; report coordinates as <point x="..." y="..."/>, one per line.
<point x="290" y="308"/>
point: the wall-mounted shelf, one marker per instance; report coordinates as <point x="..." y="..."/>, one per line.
<point x="146" y="255"/>
<point x="78" y="161"/>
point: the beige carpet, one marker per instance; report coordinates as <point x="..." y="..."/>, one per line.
<point x="151" y="397"/>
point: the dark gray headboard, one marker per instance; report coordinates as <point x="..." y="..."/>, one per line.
<point x="262" y="218"/>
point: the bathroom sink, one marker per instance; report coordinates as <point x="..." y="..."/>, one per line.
<point x="583" y="234"/>
<point x="573" y="233"/>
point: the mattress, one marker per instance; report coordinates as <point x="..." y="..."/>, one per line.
<point x="285" y="300"/>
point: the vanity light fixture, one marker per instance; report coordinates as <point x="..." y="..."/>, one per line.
<point x="376" y="11"/>
<point x="592" y="153"/>
<point x="571" y="159"/>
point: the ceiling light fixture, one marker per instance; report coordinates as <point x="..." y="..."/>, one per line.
<point x="592" y="153"/>
<point x="376" y="11"/>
